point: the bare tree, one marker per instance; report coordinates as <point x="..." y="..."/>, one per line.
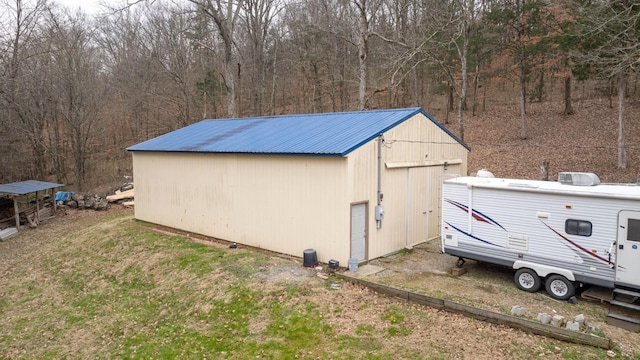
<point x="225" y="15"/>
<point x="608" y="35"/>
<point x="128" y="52"/>
<point x="521" y="30"/>
<point x="79" y="86"/>
<point x="366" y="12"/>
<point x="170" y="33"/>
<point x="21" y="89"/>
<point x="257" y="20"/>
<point x="464" y="16"/>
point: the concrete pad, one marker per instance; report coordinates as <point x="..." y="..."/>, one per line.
<point x="364" y="271"/>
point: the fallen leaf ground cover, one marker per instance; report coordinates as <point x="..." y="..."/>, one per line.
<point x="585" y="141"/>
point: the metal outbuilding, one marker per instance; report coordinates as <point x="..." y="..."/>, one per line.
<point x="351" y="185"/>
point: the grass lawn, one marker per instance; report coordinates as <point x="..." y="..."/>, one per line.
<point x="111" y="287"/>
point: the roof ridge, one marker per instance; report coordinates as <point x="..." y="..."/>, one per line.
<point x="314" y="114"/>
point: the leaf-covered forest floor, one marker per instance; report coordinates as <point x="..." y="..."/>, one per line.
<point x="585" y="141"/>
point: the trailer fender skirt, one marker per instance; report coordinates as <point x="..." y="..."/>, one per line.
<point x="544" y="270"/>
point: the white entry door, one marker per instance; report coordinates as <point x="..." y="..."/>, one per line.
<point x="359" y="231"/>
<point x="628" y="248"/>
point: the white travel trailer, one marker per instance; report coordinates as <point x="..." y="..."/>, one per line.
<point x="561" y="234"/>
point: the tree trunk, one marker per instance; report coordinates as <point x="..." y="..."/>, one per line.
<point x="416" y="93"/>
<point x="475" y="91"/>
<point x="610" y="95"/>
<point x="544" y="171"/>
<point x="523" y="103"/>
<point x="446" y="116"/>
<point x="274" y="79"/>
<point x="225" y="18"/>
<point x="622" y="153"/>
<point x="540" y="87"/>
<point x="450" y="101"/>
<point x="362" y="54"/>
<point x="229" y="78"/>
<point x="568" y="106"/>
<point x="521" y="67"/>
<point x="462" y="101"/>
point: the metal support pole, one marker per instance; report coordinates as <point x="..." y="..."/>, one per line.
<point x="17" y="212"/>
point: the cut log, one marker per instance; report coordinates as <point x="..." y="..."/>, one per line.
<point x="128" y="203"/>
<point x="33" y="223"/>
<point x="123" y="195"/>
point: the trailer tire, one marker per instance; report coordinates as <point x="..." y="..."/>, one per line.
<point x="527" y="280"/>
<point x="559" y="288"/>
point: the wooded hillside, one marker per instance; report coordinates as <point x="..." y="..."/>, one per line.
<point x="521" y="81"/>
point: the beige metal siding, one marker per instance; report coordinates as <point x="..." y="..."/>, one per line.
<point x="284" y="204"/>
<point x="414" y="157"/>
<point x="289" y="204"/>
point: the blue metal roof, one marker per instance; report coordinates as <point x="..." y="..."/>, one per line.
<point x="327" y="134"/>
<point x="26" y="187"/>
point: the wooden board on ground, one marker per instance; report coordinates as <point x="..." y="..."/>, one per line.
<point x="121" y="196"/>
<point x="484" y="315"/>
<point x="596" y="293"/>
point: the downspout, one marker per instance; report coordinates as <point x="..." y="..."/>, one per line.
<point x="379" y="209"/>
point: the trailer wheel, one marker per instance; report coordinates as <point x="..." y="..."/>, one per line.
<point x="527" y="280"/>
<point x="559" y="288"/>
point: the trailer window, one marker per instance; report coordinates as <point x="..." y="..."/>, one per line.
<point x="577" y="227"/>
<point x="633" y="230"/>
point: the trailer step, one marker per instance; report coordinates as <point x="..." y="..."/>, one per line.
<point x="625" y="305"/>
<point x="630" y="293"/>
<point x="623" y="321"/>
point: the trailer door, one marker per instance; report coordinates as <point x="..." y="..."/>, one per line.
<point x="628" y="248"/>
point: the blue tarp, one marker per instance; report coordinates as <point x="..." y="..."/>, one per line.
<point x="63" y="195"/>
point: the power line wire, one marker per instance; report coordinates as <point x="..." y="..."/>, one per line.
<point x="388" y="143"/>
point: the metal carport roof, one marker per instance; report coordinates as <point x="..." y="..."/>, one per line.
<point x="26" y="187"/>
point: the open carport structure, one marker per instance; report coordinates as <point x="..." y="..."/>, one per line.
<point x="17" y="189"/>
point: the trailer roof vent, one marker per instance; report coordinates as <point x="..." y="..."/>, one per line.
<point x="578" y="178"/>
<point x="484" y="173"/>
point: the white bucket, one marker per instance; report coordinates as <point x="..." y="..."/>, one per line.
<point x="353" y="264"/>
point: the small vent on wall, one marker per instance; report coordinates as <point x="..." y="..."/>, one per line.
<point x="451" y="240"/>
<point x="518" y="242"/>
